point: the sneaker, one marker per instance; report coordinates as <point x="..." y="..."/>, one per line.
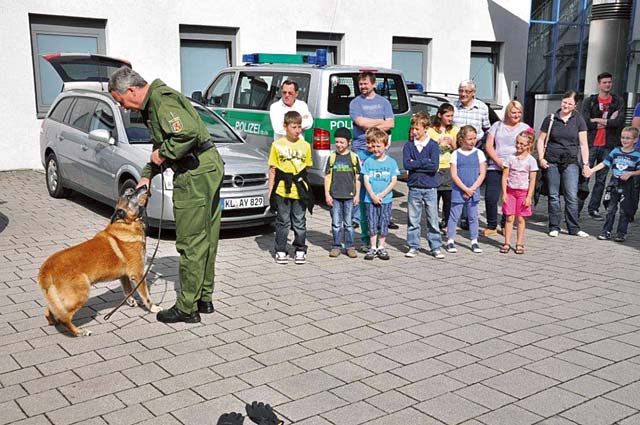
<point x="393" y="225"/>
<point x="301" y="257"/>
<point x="351" y="253"/>
<point x="489" y="232"/>
<point x="364" y="249"/>
<point x="411" y="253"/>
<point x="476" y="248"/>
<point x="334" y="252"/>
<point x="437" y="254"/>
<point x="371" y="254"/>
<point x="282" y="257"/>
<point x="383" y="254"/>
<point x="604" y="236"/>
<point x="451" y="248"/>
<point x="582" y="234"/>
<point x="619" y="238"/>
<point x="554" y="233"/>
<point x="596" y="215"/>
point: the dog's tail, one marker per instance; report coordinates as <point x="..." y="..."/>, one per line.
<point x="51" y="294"/>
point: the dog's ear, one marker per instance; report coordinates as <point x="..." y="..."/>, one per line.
<point x="118" y="215"/>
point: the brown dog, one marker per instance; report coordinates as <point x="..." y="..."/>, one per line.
<point x="118" y="252"/>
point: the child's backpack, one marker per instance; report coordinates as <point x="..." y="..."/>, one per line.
<point x="354" y="163"/>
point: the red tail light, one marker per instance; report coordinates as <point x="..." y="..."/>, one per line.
<point x="321" y="139"/>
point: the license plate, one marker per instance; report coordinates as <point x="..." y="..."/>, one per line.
<point x="247" y="202"/>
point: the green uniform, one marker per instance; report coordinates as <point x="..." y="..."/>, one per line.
<point x="176" y="129"/>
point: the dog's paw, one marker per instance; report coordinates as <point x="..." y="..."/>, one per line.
<point x="155" y="308"/>
<point x="84" y="332"/>
<point x="131" y="302"/>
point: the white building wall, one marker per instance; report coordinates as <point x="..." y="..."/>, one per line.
<point x="147" y="34"/>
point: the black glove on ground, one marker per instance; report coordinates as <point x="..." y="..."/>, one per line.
<point x="262" y="414"/>
<point x="232" y="418"/>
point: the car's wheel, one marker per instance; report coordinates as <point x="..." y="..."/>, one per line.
<point x="54" y="180"/>
<point x="127" y="184"/>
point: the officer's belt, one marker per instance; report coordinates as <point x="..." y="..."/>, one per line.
<point x="203" y="147"/>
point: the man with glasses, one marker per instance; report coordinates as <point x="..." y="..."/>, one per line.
<point x="469" y="111"/>
<point x="288" y="102"/>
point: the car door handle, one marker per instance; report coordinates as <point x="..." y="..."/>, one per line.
<point x="223" y="113"/>
<point x="85" y="148"/>
<point x="60" y="137"/>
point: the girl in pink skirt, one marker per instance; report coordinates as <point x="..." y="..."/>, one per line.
<point x="518" y="185"/>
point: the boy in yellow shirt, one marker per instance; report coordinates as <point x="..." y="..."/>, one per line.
<point x="290" y="189"/>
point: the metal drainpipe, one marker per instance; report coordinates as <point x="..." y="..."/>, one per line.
<point x="608" y="38"/>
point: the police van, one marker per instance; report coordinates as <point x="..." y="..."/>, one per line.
<point x="242" y="95"/>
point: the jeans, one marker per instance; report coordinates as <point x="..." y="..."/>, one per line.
<point x="597" y="154"/>
<point x="341" y="216"/>
<point x="625" y="200"/>
<point x="569" y="178"/>
<point x="492" y="191"/>
<point x="429" y="199"/>
<point x="291" y="215"/>
<point x="472" y="216"/>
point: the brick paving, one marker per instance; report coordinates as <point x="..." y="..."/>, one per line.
<point x="549" y="337"/>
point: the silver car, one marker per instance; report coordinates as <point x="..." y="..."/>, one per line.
<point x="88" y="143"/>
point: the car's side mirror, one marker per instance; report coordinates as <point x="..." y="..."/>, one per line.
<point x="197" y="96"/>
<point x="102" y="135"/>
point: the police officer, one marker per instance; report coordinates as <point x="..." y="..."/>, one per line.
<point x="181" y="142"/>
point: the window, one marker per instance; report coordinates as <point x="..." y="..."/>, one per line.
<point x="258" y="90"/>
<point x="103" y="119"/>
<point x="344" y="87"/>
<point x="307" y="42"/>
<point x="484" y="68"/>
<point x="410" y="55"/>
<point x="61" y="109"/>
<point x="51" y="34"/>
<point x="218" y="94"/>
<point x="81" y="114"/>
<point x="204" y="51"/>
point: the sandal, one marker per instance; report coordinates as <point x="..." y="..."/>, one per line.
<point x="504" y="249"/>
<point x="519" y="249"/>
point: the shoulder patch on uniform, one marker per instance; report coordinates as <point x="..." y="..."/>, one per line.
<point x="175" y="123"/>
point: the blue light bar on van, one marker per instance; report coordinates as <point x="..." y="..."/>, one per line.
<point x="282" y="58"/>
<point x="415" y="86"/>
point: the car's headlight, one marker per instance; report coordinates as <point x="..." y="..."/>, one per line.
<point x="168" y="179"/>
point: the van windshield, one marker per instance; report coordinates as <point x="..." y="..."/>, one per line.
<point x="343" y="88"/>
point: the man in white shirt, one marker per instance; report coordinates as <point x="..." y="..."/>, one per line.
<point x="288" y="102"/>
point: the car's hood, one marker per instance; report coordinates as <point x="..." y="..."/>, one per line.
<point x="240" y="157"/>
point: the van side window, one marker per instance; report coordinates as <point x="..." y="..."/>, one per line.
<point x="303" y="85"/>
<point x="103" y="119"/>
<point x="61" y="109"/>
<point x="343" y="88"/>
<point x="255" y="91"/>
<point x="391" y="87"/>
<point x="81" y="114"/>
<point x="218" y="94"/>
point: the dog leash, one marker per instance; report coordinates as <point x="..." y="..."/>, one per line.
<point x="155" y="251"/>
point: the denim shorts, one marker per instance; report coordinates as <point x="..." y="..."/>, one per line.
<point x="378" y="217"/>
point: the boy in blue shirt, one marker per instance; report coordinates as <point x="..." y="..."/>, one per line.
<point x="421" y="157"/>
<point x="624" y="163"/>
<point x="380" y="175"/>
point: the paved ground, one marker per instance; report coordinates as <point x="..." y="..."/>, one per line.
<point x="551" y="337"/>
